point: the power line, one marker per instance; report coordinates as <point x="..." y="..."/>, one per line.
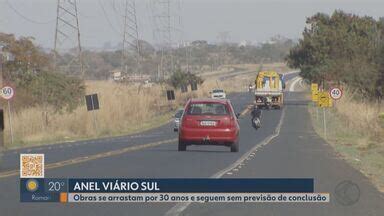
<point x="24" y="17"/>
<point x="107" y="18"/>
<point x="115" y="8"/>
<point x="162" y="33"/>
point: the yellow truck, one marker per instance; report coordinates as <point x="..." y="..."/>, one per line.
<point x="269" y="87"/>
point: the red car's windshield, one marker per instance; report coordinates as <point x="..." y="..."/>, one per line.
<point x="207" y="109"/>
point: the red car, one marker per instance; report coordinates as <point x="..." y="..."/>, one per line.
<point x="209" y="122"/>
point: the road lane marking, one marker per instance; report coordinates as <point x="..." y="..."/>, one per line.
<point x="180" y="207"/>
<point x="302" y="84"/>
<point x="103" y="154"/>
<point x="294" y="83"/>
<point x="291" y="72"/>
<point x="92" y="157"/>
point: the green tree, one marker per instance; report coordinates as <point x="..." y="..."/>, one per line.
<point x="340" y="48"/>
<point x="31" y="73"/>
<point x="180" y="78"/>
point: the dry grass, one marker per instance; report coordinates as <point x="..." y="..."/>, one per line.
<point x="279" y="67"/>
<point x="124" y="109"/>
<point x="361" y="115"/>
<point x="121" y="106"/>
<point x="355" y="130"/>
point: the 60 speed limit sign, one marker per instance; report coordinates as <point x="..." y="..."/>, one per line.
<point x="7" y="92"/>
<point x="335" y="93"/>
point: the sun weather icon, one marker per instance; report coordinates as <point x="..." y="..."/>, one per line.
<point x="32" y="185"/>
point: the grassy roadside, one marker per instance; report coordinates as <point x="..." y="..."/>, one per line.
<point x="124" y="110"/>
<point x="124" y="113"/>
<point x="154" y="122"/>
<point x="227" y="69"/>
<point x="356" y="139"/>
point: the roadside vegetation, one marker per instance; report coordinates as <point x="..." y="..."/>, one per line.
<point x="49" y="105"/>
<point x="347" y="50"/>
<point x="198" y="57"/>
<point x="124" y="109"/>
<point x="356" y="133"/>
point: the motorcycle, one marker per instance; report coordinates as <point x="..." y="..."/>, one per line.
<point x="256" y="123"/>
<point x="268" y="103"/>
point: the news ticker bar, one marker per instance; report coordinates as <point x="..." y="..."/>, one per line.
<point x="170" y="190"/>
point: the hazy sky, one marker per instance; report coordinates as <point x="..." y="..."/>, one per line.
<point x="253" y="20"/>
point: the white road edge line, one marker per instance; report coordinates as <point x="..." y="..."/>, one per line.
<point x="291" y="72"/>
<point x="180" y="207"/>
<point x="302" y="83"/>
<point x="294" y="82"/>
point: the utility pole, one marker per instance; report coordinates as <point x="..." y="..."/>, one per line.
<point x="131" y="40"/>
<point x="67" y="34"/>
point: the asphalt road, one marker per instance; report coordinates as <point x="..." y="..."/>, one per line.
<point x="295" y="151"/>
<point x="299" y="152"/>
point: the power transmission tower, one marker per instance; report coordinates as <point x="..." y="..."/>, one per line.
<point x="67" y="35"/>
<point x="162" y="33"/>
<point x="131" y="42"/>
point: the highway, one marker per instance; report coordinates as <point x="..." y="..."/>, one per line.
<point x="285" y="146"/>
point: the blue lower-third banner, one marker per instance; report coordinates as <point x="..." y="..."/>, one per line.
<point x="194" y="185"/>
<point x="170" y="190"/>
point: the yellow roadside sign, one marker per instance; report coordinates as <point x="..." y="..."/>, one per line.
<point x="314" y="87"/>
<point x="324" y="100"/>
<point x="314" y="91"/>
<point x="315" y="96"/>
<point x="330" y="101"/>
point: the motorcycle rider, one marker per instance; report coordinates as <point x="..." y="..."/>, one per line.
<point x="256" y="117"/>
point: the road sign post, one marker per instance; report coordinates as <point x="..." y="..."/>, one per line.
<point x="324" y="101"/>
<point x="92" y="102"/>
<point x="184" y="88"/>
<point x="10" y="121"/>
<point x="193" y="86"/>
<point x="314" y="96"/>
<point x="7" y="92"/>
<point x="170" y="95"/>
<point x="314" y="91"/>
<point x="317" y="113"/>
<point x="324" y="123"/>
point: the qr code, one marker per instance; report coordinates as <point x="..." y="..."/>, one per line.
<point x="31" y="165"/>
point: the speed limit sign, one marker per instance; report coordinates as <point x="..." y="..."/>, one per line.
<point x="7" y="92"/>
<point x="335" y="93"/>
